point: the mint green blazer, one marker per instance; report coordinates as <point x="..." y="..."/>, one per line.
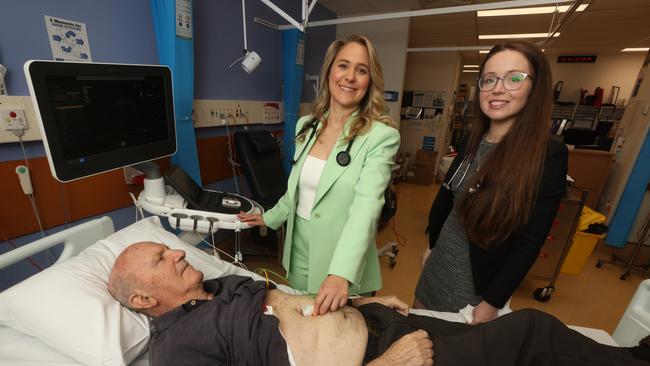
<point x="346" y="209"/>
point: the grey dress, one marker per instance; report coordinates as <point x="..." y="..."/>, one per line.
<point x="446" y="282"/>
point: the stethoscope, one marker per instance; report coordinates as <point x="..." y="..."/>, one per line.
<point x="342" y="158"/>
<point x="471" y="190"/>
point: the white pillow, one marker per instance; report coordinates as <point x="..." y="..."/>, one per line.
<point x="68" y="307"/>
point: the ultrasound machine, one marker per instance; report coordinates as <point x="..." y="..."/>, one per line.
<point x="96" y="117"/>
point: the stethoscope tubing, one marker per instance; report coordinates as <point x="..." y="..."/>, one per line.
<point x="448" y="185"/>
<point x="343" y="158"/>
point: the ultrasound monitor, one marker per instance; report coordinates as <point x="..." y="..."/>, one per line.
<point x="96" y="117"/>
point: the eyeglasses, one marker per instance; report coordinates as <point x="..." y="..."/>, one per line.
<point x="511" y="81"/>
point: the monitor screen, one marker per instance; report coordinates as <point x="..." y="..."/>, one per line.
<point x="97" y="117"/>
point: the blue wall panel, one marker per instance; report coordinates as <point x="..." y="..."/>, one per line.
<point x="118" y="31"/>
<point x="628" y="207"/>
<point x="219" y="40"/>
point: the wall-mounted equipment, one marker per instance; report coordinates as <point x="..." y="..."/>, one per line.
<point x="251" y="59"/>
<point x="3" y="86"/>
<point x="98" y="117"/>
<point x="426" y="99"/>
<point x="391" y="96"/>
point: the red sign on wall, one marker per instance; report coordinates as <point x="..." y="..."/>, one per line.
<point x="576" y="59"/>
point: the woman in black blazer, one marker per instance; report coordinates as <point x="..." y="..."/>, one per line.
<point x="500" y="196"/>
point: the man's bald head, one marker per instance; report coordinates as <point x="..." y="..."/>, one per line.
<point x="151" y="278"/>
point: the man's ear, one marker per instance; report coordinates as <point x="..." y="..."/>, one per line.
<point x="142" y="301"/>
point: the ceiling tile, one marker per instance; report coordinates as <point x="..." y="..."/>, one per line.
<point x="388" y="6"/>
<point x="606" y="25"/>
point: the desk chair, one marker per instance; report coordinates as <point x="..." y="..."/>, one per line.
<point x="259" y="155"/>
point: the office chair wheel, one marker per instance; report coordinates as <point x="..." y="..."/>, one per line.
<point x="599" y="263"/>
<point x="394" y="249"/>
<point x="543" y="294"/>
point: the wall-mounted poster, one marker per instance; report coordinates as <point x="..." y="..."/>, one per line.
<point x="68" y="39"/>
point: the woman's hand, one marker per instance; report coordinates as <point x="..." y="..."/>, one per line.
<point x="425" y="256"/>
<point x="483" y="312"/>
<point x="332" y="295"/>
<point x="251" y="219"/>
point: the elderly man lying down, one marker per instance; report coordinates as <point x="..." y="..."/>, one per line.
<point x="235" y="320"/>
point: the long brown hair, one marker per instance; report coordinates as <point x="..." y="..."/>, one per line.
<point x="511" y="173"/>
<point x="372" y="105"/>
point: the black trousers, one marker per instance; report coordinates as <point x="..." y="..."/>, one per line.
<point x="524" y="337"/>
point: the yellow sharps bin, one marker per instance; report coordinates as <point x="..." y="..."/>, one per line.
<point x="581" y="248"/>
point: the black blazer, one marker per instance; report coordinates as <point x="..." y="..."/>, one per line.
<point x="498" y="271"/>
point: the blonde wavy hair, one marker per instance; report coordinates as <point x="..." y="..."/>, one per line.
<point x="371" y="107"/>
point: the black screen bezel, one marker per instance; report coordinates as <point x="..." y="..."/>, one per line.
<point x="110" y="160"/>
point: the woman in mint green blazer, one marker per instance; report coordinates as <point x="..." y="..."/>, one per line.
<point x="333" y="201"/>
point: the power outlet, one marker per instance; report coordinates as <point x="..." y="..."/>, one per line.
<point x="13" y="119"/>
<point x="210" y="112"/>
<point x="215" y="113"/>
<point x="271" y="112"/>
<point x="243" y="114"/>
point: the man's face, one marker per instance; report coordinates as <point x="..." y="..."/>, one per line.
<point x="164" y="273"/>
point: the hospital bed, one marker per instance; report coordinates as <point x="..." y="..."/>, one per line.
<point x="65" y="316"/>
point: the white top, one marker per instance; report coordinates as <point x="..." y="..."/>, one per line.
<point x="307" y="184"/>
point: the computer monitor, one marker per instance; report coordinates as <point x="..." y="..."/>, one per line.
<point x="96" y="117"/>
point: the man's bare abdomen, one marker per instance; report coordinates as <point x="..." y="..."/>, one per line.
<point x="336" y="338"/>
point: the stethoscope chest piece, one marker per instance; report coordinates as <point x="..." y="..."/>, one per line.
<point x="343" y="158"/>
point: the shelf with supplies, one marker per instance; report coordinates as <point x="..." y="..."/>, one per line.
<point x="586" y="117"/>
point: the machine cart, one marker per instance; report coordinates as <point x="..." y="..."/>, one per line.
<point x="551" y="256"/>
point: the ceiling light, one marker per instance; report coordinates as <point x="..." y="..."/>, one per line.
<point x="527" y="11"/>
<point x="518" y="35"/>
<point x="484" y="51"/>
<point x="470" y="70"/>
<point x="469" y="66"/>
<point x="637" y="49"/>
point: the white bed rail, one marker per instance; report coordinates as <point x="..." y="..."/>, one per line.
<point x="74" y="240"/>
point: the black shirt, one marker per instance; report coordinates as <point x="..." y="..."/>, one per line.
<point x="230" y="329"/>
<point x="499" y="270"/>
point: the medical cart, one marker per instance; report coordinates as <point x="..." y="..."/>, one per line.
<point x="558" y="241"/>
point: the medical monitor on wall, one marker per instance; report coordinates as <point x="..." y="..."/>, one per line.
<point x="96" y="117"/>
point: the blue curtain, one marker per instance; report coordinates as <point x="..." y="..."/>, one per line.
<point x="178" y="54"/>
<point x="630" y="202"/>
<point x="292" y="75"/>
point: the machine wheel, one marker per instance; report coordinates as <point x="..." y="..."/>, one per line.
<point x="543" y="294"/>
<point x="624" y="276"/>
<point x="599" y="263"/>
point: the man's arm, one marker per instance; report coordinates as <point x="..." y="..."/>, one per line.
<point x="388" y="301"/>
<point x="413" y="349"/>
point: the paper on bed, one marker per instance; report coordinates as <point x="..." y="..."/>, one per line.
<point x="464" y="315"/>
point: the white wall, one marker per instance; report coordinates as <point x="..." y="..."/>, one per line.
<point x="620" y="69"/>
<point x="431" y="71"/>
<point x="390" y="38"/>
<point x="633" y="128"/>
